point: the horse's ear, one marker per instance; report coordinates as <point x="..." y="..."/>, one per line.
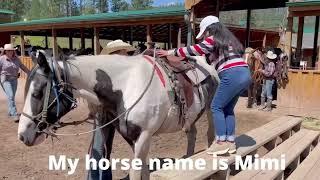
<point x="42" y="61"/>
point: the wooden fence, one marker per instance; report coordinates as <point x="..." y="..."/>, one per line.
<point x="28" y="63"/>
<point x="302" y="93"/>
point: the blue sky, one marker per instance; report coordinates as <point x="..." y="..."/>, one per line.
<point x="165" y="2"/>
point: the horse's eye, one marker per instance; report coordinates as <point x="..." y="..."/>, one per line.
<point x="37" y="95"/>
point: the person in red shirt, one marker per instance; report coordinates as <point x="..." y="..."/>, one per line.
<point x="223" y="51"/>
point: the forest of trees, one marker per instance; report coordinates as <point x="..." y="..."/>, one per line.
<point x="39" y="9"/>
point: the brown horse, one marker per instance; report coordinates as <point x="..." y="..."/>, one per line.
<point x="255" y="59"/>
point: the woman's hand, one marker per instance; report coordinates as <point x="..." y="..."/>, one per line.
<point x="162" y="53"/>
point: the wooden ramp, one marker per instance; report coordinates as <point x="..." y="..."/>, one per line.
<point x="279" y="137"/>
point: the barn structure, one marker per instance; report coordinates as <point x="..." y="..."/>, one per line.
<point x="301" y="94"/>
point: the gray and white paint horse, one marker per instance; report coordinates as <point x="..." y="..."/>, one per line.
<point x="113" y="83"/>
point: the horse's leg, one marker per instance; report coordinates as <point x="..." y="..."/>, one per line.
<point x="141" y="150"/>
<point x="254" y="94"/>
<point x="211" y="130"/>
<point x="191" y="137"/>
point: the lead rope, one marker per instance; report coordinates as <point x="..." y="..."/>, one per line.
<point x="115" y="119"/>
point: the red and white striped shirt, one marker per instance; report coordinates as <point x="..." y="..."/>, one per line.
<point x="206" y="47"/>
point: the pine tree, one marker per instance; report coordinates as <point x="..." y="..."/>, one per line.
<point x="119" y="5"/>
<point x="102" y="6"/>
<point x="141" y="4"/>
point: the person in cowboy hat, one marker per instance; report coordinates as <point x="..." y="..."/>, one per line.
<point x="9" y="73"/>
<point x="117" y="47"/>
<point x="223" y="51"/>
<point x="98" y="147"/>
<point x="268" y="81"/>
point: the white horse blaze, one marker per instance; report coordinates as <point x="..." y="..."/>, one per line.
<point x="27" y="127"/>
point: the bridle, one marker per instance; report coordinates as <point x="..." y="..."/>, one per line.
<point x="59" y="90"/>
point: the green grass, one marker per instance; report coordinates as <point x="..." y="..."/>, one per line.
<point x="311" y="123"/>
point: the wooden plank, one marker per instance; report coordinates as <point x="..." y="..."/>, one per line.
<point x="305" y="8"/>
<point x="292" y="148"/>
<point x="307" y="168"/>
<point x="304" y="13"/>
<point x="246" y="143"/>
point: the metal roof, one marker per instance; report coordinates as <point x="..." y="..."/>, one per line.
<point x="125" y="16"/>
<point x="303" y="3"/>
<point x="5" y="11"/>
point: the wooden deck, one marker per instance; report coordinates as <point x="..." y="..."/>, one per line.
<point x="283" y="140"/>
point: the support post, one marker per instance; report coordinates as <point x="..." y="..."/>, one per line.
<point x="315" y="42"/>
<point x="179" y="37"/>
<point x="70" y="41"/>
<point x="54" y="43"/>
<point x="288" y="48"/>
<point x="299" y="38"/>
<point x="47" y="42"/>
<point x="170" y="37"/>
<point x="149" y="39"/>
<point x="218" y="8"/>
<point x="22" y="43"/>
<point x="193" y="27"/>
<point x="131" y="35"/>
<point x="82" y="39"/>
<point x="248" y="28"/>
<point x="96" y="41"/>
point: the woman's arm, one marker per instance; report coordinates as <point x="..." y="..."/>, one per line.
<point x="205" y="47"/>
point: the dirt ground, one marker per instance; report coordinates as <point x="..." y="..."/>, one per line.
<point x="18" y="161"/>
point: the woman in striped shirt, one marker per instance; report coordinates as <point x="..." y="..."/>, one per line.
<point x="223" y="51"/>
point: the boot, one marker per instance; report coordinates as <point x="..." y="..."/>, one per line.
<point x="262" y="105"/>
<point x="269" y="105"/>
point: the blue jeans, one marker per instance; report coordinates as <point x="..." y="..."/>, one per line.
<point x="267" y="89"/>
<point x="98" y="152"/>
<point x="10" y="88"/>
<point x="233" y="82"/>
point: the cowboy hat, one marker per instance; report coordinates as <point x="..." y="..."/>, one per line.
<point x="116" y="46"/>
<point x="207" y="21"/>
<point x="271" y="55"/>
<point x="9" y="47"/>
